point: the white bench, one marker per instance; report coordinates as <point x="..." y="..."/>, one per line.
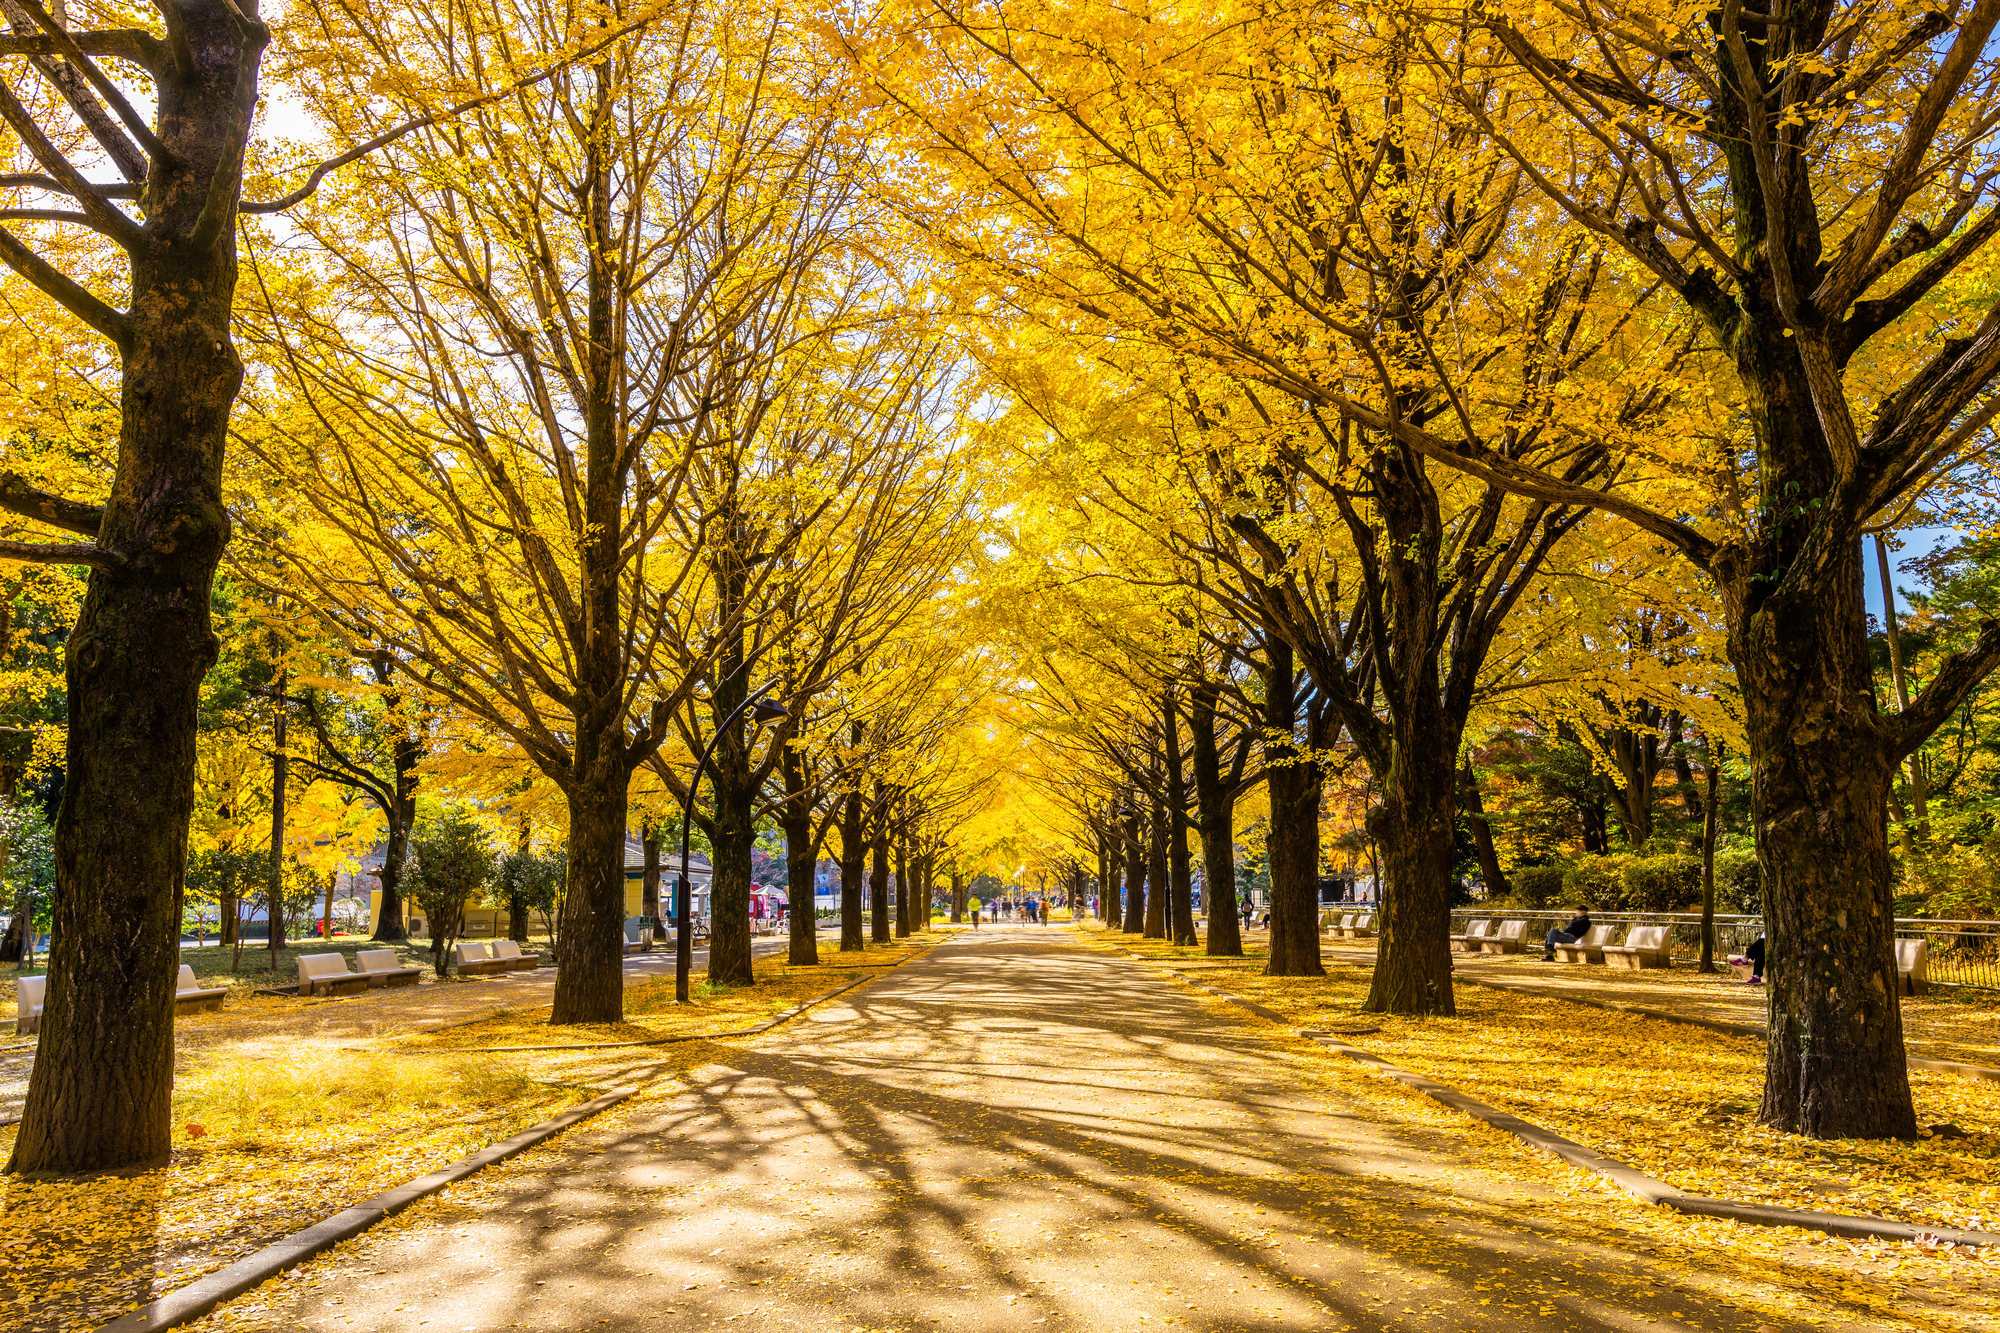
<point x="510" y="953"/>
<point x="1346" y="924"/>
<point x="1913" y="961"/>
<point x="639" y="938"/>
<point x="327" y="974"/>
<point x="1363" y="928"/>
<point x="1506" y="938"/>
<point x="1589" y="949"/>
<point x="1475" y="931"/>
<point x="191" y="998"/>
<point x="477" y="960"/>
<point x="28" y="994"/>
<point x="1644" y="947"/>
<point x="383" y="968"/>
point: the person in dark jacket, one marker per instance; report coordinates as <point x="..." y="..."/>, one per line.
<point x="1569" y="934"/>
<point x="1755" y="953"/>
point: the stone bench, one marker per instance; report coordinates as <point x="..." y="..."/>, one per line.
<point x="508" y="952"/>
<point x="191" y="998"/>
<point x="327" y="974"/>
<point x="1507" y="938"/>
<point x="1589" y="949"/>
<point x="477" y="960"/>
<point x="1363" y="928"/>
<point x="1644" y="947"/>
<point x="28" y="994"/>
<point x="383" y="968"/>
<point x="1913" y="960"/>
<point x="1475" y="931"/>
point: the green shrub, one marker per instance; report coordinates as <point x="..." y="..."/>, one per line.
<point x="1595" y="881"/>
<point x="1739" y="882"/>
<point x="1663" y="883"/>
<point x="1538" y="886"/>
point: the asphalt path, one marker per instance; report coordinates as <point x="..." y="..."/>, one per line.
<point x="1014" y="1131"/>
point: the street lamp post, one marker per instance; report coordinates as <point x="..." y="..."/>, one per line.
<point x="683" y="889"/>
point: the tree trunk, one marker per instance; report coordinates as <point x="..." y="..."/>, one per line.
<point x="1156" y="874"/>
<point x="649" y="882"/>
<point x="1293" y="845"/>
<point x="274" y="898"/>
<point x="99" y="1094"/>
<point x="853" y="857"/>
<point x="1109" y="908"/>
<point x="1708" y="823"/>
<point x="1135" y="877"/>
<point x="1482" y="833"/>
<point x="389" y="925"/>
<point x="1180" y="899"/>
<point x="1415" y="825"/>
<point x="1835" y="1065"/>
<point x="1216" y="813"/>
<point x="733" y="843"/>
<point x="903" y="904"/>
<point x="957" y="898"/>
<point x="878" y="873"/>
<point x="799" y="862"/>
<point x="590" y="980"/>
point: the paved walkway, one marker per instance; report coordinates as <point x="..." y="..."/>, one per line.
<point x="1013" y="1132"/>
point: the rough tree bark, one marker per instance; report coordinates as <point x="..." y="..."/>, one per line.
<point x="1156" y="873"/>
<point x="853" y="857"/>
<point x="1474" y="809"/>
<point x="1293" y="841"/>
<point x="1215" y="809"/>
<point x="1180" y="898"/>
<point x="878" y="870"/>
<point x="801" y="853"/>
<point x="98" y="1097"/>
<point x="1135" y="875"/>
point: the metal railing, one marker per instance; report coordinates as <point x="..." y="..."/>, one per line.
<point x="1961" y="953"/>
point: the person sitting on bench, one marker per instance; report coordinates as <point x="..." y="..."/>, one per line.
<point x="1569" y="934"/>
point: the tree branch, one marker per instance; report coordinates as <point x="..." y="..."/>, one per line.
<point x="66" y="290"/>
<point x="1956" y="677"/>
<point x="97" y="557"/>
<point x="17" y="496"/>
<point x="1498" y="470"/>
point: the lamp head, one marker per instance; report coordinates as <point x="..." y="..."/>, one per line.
<point x="766" y="711"/>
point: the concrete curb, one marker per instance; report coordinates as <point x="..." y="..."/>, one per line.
<point x="187" y="1304"/>
<point x="191" y="1302"/>
<point x="1636" y="1183"/>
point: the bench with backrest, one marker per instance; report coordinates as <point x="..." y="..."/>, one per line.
<point x="1505" y="938"/>
<point x="327" y="974"/>
<point x="1589" y="949"/>
<point x="1363" y="928"/>
<point x="1475" y="931"/>
<point x="191" y="998"/>
<point x="1644" y="947"/>
<point x="1345" y="925"/>
<point x="638" y="938"/>
<point x="28" y="995"/>
<point x="476" y="960"/>
<point x="383" y="968"/>
<point x="1913" y="960"/>
<point x="510" y="953"/>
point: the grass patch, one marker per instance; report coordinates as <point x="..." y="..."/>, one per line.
<point x="1676" y="1102"/>
<point x="261" y="1148"/>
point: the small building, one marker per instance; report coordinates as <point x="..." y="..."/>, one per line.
<point x="483" y="921"/>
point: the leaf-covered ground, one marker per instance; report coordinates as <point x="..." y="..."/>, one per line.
<point x="273" y="1132"/>
<point x="1675" y="1101"/>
